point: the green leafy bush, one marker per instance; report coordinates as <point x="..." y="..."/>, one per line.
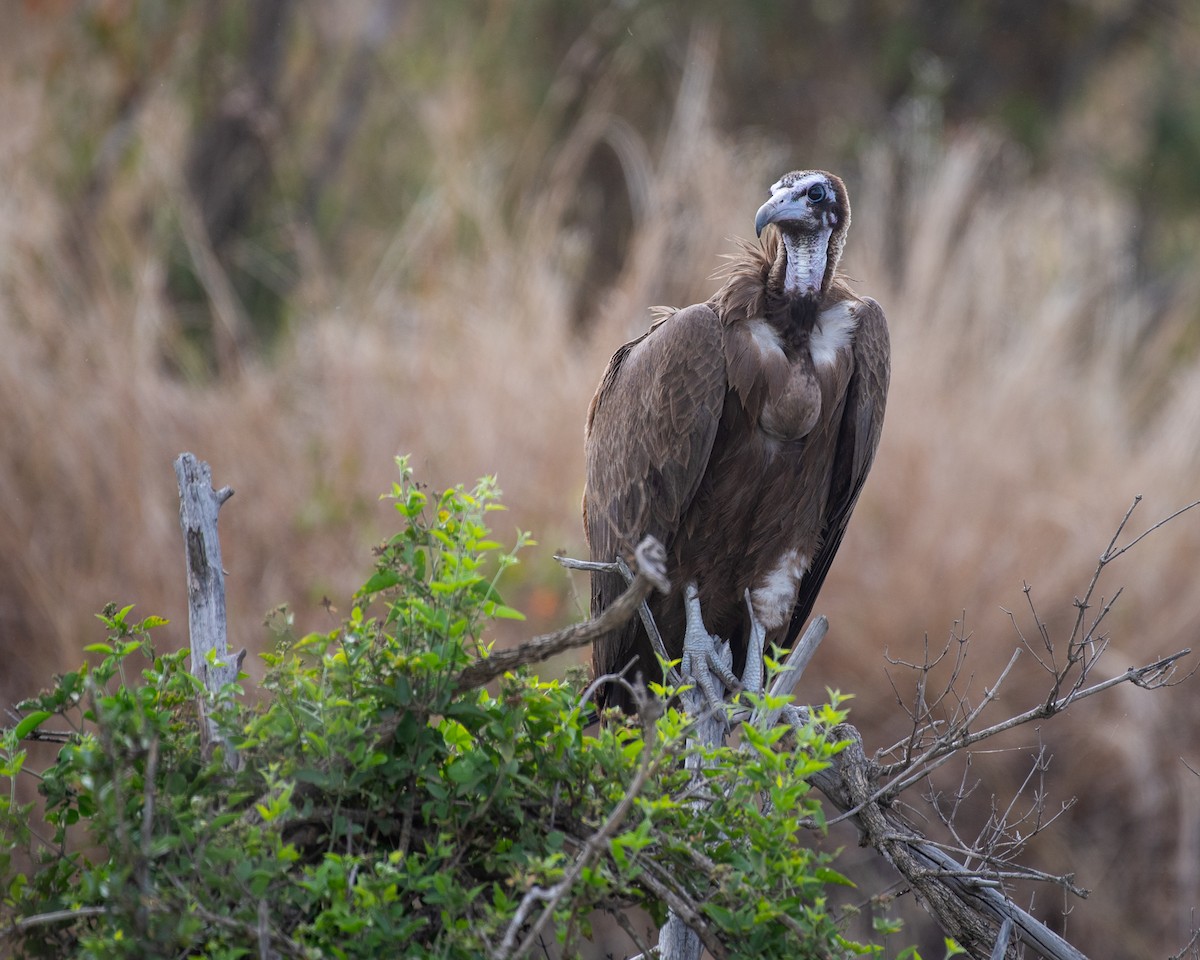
<point x="377" y="805"/>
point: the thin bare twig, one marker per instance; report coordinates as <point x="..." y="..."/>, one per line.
<point x="1161" y="523"/>
<point x="625" y="924"/>
<point x="682" y="907"/>
<point x="1149" y="676"/>
<point x="551" y="896"/>
<point x="1191" y="949"/>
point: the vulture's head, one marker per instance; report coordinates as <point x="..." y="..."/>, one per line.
<point x="812" y="212"/>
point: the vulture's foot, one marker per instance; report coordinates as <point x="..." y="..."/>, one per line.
<point x="705" y="657"/>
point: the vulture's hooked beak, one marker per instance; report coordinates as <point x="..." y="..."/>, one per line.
<point x="782" y="206"/>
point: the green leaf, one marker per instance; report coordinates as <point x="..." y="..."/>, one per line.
<point x="826" y="875"/>
<point x="499" y="611"/>
<point x="31" y="723"/>
<point x="380" y="581"/>
<point x="462" y="772"/>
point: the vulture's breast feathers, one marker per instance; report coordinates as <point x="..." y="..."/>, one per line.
<point x="788" y="369"/>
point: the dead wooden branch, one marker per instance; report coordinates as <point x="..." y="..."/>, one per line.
<point x="211" y="661"/>
<point x="959" y="735"/>
<point x="651" y="575"/>
<point x="969" y="904"/>
<point x="967" y="907"/>
<point x="673" y="677"/>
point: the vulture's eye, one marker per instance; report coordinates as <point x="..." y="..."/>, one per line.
<point x="816" y="193"/>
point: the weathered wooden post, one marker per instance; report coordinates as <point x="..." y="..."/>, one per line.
<point x="211" y="660"/>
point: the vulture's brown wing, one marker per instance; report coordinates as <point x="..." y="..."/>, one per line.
<point x="862" y="421"/>
<point x="650" y="431"/>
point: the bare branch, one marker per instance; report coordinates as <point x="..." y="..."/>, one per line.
<point x="684" y="908"/>
<point x="644" y="952"/>
<point x="853" y="787"/>
<point x="1002" y="937"/>
<point x="651" y="575"/>
<point x="52" y="736"/>
<point x="1150" y="676"/>
<point x="255" y="933"/>
<point x="954" y="739"/>
<point x="1191" y="949"/>
<point x="673" y="676"/>
<point x="54" y="916"/>
<point x="1108" y="556"/>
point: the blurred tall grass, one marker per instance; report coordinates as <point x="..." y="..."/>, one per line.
<point x="437" y="223"/>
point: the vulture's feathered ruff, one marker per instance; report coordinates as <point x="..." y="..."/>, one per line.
<point x="739" y="433"/>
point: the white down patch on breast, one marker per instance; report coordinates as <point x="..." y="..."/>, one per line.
<point x="775" y="594"/>
<point x="833" y="332"/>
<point x="766" y="337"/>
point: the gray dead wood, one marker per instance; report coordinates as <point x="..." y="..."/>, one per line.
<point x="212" y="663"/>
<point x="965" y="905"/>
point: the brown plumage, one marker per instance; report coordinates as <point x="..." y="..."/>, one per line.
<point x="739" y="433"/>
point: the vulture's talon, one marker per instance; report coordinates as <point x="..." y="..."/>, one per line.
<point x="707" y="659"/>
<point x="752" y="675"/>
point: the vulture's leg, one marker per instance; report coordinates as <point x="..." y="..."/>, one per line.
<point x="701" y="657"/>
<point x="752" y="676"/>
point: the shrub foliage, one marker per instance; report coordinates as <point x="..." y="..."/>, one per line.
<point x="375" y="805"/>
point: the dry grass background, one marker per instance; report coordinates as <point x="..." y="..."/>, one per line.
<point x="1039" y="384"/>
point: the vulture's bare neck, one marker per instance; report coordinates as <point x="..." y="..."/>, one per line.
<point x="798" y="284"/>
<point x="807" y="260"/>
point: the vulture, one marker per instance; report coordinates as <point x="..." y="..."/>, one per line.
<point x="738" y="432"/>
